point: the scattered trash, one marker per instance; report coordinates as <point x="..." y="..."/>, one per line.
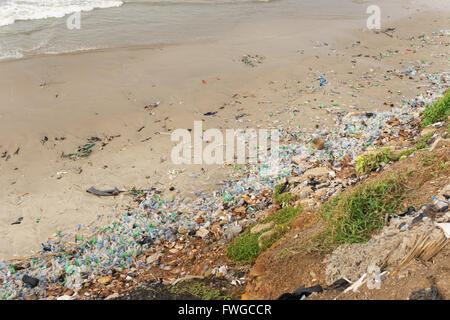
<point x="323" y="81"/>
<point x="105" y="193"/>
<point x="340" y="284"/>
<point x="18" y="221"/>
<point x="33" y="282"/>
<point x="431" y="293"/>
<point x="252" y="60"/>
<point x="300" y="293"/>
<point x="154" y="221"/>
<point x="83" y="151"/>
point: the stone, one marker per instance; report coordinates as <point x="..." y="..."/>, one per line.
<point x="200" y="219"/>
<point x="202" y="233"/>
<point x="112" y="296"/>
<point x="439" y="142"/>
<point x="427" y="130"/>
<point x="445" y="192"/>
<point x="33" y="282"/>
<point x="318" y="143"/>
<point x="261" y="227"/>
<point x="403" y="274"/>
<point x="321" y="192"/>
<point x="69" y="293"/>
<point x="104" y="280"/>
<point x="305" y="203"/>
<point x="317" y="172"/>
<point x="440" y="205"/>
<point x="264" y="236"/>
<point x="298" y="159"/>
<point x="232" y="232"/>
<point x="303" y="192"/>
<point x="153" y="258"/>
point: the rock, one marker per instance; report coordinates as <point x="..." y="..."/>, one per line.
<point x="200" y="219"/>
<point x="65" y="298"/>
<point x="232" y="232"/>
<point x="440" y="205"/>
<point x="427" y="130"/>
<point x="153" y="258"/>
<point x="112" y="296"/>
<point x="351" y="261"/>
<point x="403" y="274"/>
<point x="321" y="192"/>
<point x="318" y="143"/>
<point x="69" y="293"/>
<point x="317" y="172"/>
<point x="202" y="233"/>
<point x="104" y="280"/>
<point x="261" y="227"/>
<point x="298" y="159"/>
<point x="305" y="203"/>
<point x="303" y="193"/>
<point x="33" y="282"/>
<point x="439" y="143"/>
<point x="264" y="236"/>
<point x="182" y="229"/>
<point x="445" y="192"/>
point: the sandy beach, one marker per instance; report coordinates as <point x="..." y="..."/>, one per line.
<point x="104" y="118"/>
<point x="104" y="93"/>
<point x="132" y="98"/>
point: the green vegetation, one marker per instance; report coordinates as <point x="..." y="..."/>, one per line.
<point x="371" y="161"/>
<point x="422" y="141"/>
<point x="438" y="111"/>
<point x="199" y="289"/>
<point x="244" y="248"/>
<point x="247" y="247"/>
<point x="352" y="216"/>
<point x="284" y="216"/>
<point x="281" y="197"/>
<point x="284" y="253"/>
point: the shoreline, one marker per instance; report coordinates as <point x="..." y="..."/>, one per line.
<point x="37" y="176"/>
<point x="128" y="161"/>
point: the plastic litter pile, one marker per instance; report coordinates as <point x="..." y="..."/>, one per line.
<point x="154" y="220"/>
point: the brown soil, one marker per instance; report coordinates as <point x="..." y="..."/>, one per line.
<point x="289" y="264"/>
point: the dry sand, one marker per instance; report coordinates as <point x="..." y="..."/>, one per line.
<point x="103" y="93"/>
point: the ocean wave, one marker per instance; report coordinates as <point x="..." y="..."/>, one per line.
<point x="11" y="54"/>
<point x="17" y="10"/>
<point x="191" y="2"/>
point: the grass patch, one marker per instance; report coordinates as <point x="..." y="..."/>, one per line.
<point x="280" y="197"/>
<point x="371" y="161"/>
<point x="246" y="247"/>
<point x="352" y="216"/>
<point x="198" y="289"/>
<point x="438" y="111"/>
<point x="284" y="216"/>
<point x="422" y="141"/>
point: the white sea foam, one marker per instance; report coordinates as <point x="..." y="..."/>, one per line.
<point x="16" y="10"/>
